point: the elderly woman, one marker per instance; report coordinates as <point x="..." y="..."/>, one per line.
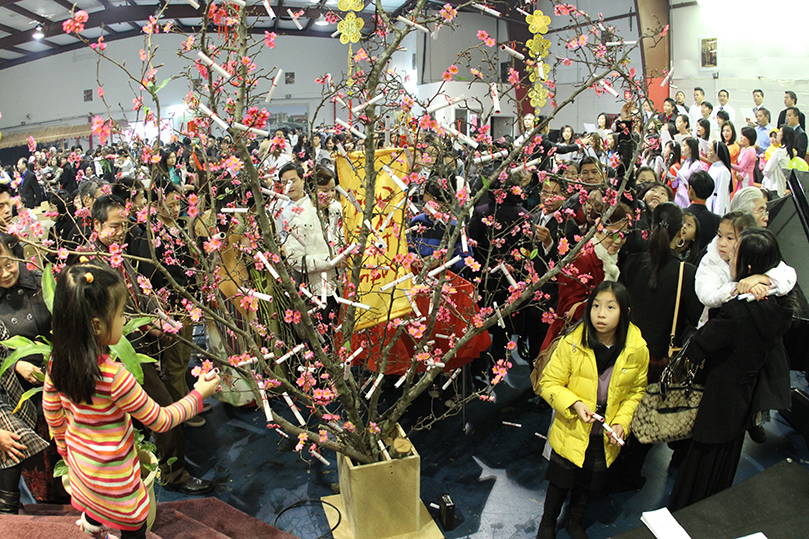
<point x="18" y="441"/>
<point x="24" y="313"/>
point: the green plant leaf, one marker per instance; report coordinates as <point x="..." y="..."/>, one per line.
<point x="135" y="323"/>
<point x="48" y="287"/>
<point x="485" y="182"/>
<point x="16" y="342"/>
<point x="162" y="85"/>
<point x="534" y="253"/>
<point x="143" y="358"/>
<point x="60" y="468"/>
<point x="27" y="395"/>
<point x="29" y="350"/>
<point x="124" y="351"/>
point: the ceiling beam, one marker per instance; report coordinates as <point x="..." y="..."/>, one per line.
<point x="313" y="19"/>
<point x="133" y="13"/>
<point x="65" y="4"/>
<point x="277" y="11"/>
<point x="30" y="57"/>
<point x="25" y="13"/>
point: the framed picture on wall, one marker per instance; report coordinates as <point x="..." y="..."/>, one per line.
<point x="709" y="53"/>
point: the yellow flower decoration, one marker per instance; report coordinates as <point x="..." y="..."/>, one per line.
<point x="350" y="5"/>
<point x="538" y="46"/>
<point x="349" y="28"/>
<point x="538" y="96"/>
<point x="538" y="22"/>
<point x="535" y="76"/>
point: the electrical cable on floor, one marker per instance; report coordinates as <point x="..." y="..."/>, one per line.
<point x="301" y="503"/>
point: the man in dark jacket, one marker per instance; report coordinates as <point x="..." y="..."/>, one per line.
<point x="30" y="191"/>
<point x="700" y="188"/>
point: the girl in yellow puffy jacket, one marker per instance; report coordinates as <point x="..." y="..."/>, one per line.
<point x="598" y="370"/>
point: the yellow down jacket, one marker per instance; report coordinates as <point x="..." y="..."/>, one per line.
<point x="572" y="375"/>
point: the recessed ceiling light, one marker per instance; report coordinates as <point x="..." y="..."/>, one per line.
<point x="321" y="21"/>
<point x="38" y="34"/>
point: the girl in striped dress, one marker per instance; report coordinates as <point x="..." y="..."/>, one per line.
<point x="89" y="401"/>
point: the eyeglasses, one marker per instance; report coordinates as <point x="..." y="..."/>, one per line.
<point x="762" y="212"/>
<point x="617" y="236"/>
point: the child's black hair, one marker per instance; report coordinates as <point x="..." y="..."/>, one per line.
<point x="84" y="292"/>
<point x="589" y="336"/>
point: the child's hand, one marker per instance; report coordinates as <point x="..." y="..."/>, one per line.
<point x="205" y="387"/>
<point x="619" y="432"/>
<point x="583" y="411"/>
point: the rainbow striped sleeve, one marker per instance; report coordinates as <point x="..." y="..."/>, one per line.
<point x="54" y="415"/>
<point x="127" y="394"/>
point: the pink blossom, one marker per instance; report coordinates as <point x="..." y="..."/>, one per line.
<point x="482" y="35"/>
<point x="269" y="39"/>
<point x="448" y="12"/>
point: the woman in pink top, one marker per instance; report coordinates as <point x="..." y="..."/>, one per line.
<point x="747" y="158"/>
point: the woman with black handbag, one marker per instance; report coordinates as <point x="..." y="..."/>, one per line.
<point x="742" y="348"/>
<point x="653" y="280"/>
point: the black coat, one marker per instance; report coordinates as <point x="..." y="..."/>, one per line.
<point x="567" y="229"/>
<point x="500" y="242"/>
<point x="23" y="311"/>
<point x="30" y="191"/>
<point x="708" y="223"/>
<point x="782" y="119"/>
<point x="546" y="150"/>
<point x="653" y="308"/>
<point x="801" y="142"/>
<point x="747" y="370"/>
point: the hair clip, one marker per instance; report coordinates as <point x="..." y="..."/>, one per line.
<point x="83" y="259"/>
<point x="88" y="277"/>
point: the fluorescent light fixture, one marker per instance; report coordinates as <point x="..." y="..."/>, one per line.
<point x="321" y="21"/>
<point x="38" y="34"/>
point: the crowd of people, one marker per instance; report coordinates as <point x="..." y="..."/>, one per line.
<point x="694" y="216"/>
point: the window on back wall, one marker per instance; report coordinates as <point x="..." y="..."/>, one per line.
<point x="88" y="95"/>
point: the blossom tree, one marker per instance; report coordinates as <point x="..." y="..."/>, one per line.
<point x="401" y="312"/>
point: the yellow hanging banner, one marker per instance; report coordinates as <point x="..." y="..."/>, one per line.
<point x="385" y="258"/>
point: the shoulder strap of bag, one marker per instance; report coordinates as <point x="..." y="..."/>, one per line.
<point x="572" y="311"/>
<point x="676" y="309"/>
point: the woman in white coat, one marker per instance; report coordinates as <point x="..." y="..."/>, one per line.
<point x="719" y="156"/>
<point x="303" y="238"/>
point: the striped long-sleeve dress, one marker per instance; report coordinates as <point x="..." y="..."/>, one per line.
<point x="97" y="442"/>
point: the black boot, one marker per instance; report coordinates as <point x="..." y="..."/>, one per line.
<point x="554" y="500"/>
<point x="578" y="503"/>
<point x="9" y="502"/>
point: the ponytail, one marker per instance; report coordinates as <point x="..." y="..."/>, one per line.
<point x="84" y="292"/>
<point x="667" y="221"/>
